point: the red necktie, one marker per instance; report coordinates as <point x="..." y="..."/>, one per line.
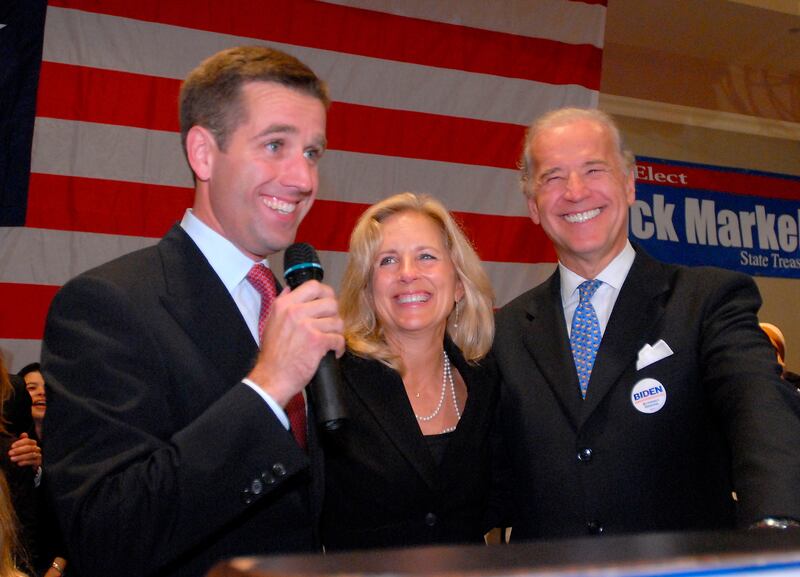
<point x="262" y="280"/>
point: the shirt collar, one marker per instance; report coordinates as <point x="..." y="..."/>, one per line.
<point x="613" y="275"/>
<point x="227" y="261"/>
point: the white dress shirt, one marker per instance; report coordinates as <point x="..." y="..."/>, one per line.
<point x="232" y="267"/>
<point x="606" y="295"/>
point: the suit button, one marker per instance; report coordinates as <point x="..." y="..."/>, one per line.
<point x="585" y="454"/>
<point x="247" y="497"/>
<point x="257" y="487"/>
<point x="430" y="519"/>
<point x="594" y="528"/>
<point x="267" y="478"/>
<point x="278" y="470"/>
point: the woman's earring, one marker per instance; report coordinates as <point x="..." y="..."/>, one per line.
<point x="458" y="312"/>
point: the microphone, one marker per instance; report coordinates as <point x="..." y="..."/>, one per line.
<point x="300" y="264"/>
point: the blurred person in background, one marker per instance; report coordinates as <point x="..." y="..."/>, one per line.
<point x="51" y="560"/>
<point x="18" y="468"/>
<point x="778" y="341"/>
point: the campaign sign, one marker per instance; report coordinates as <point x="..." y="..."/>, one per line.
<point x="731" y="218"/>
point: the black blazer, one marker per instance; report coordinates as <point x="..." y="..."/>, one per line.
<point x="383" y="488"/>
<point x="159" y="460"/>
<point x="599" y="465"/>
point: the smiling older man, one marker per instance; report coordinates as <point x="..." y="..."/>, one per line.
<point x="637" y="396"/>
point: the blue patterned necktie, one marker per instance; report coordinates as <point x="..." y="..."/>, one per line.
<point x="584" y="338"/>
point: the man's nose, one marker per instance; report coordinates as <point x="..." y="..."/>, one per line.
<point x="299" y="173"/>
<point x="575" y="187"/>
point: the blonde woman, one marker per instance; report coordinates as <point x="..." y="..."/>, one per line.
<point x="412" y="465"/>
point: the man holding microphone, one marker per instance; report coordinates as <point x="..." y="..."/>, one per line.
<point x="176" y="424"/>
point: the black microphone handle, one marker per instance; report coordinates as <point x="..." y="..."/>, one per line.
<point x="325" y="389"/>
<point x="325" y="393"/>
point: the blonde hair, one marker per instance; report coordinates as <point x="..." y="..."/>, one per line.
<point x="470" y="323"/>
<point x="564" y="117"/>
<point x="10" y="547"/>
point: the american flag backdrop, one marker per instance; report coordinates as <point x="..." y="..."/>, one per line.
<point x="429" y="96"/>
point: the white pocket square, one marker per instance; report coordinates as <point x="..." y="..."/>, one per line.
<point x="651" y="354"/>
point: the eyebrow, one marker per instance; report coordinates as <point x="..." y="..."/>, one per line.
<point x="588" y="163"/>
<point x="279" y="128"/>
<point x="547" y="173"/>
<point x="416" y="248"/>
<point x="321" y="141"/>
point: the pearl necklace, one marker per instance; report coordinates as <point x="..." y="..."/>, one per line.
<point x="447" y="377"/>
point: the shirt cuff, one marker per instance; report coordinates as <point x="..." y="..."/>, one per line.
<point x="276" y="408"/>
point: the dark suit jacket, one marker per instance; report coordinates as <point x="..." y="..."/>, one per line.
<point x="599" y="465"/>
<point x="160" y="461"/>
<point x="383" y="488"/>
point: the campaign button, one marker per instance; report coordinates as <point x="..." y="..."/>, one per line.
<point x="648" y="396"/>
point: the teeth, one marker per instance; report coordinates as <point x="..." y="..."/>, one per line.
<point x="417" y="298"/>
<point x="582" y="216"/>
<point x="280" y="206"/>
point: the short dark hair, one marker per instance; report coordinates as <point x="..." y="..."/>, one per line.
<point x="211" y="94"/>
<point x="29" y="368"/>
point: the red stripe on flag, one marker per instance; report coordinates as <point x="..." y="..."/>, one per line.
<point x="356" y="128"/>
<point x="112" y="207"/>
<point x="104" y="206"/>
<point x="104" y="96"/>
<point x="507" y="238"/>
<point x="731" y="182"/>
<point x="374" y="34"/>
<point x="109" y="97"/>
<point x="23" y="309"/>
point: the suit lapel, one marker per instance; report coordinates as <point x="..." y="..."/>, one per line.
<point x="548" y="343"/>
<point x="202" y="306"/>
<point x="636" y="310"/>
<point x="382" y="393"/>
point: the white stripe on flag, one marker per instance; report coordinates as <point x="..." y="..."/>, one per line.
<point x="106" y="151"/>
<point x="52" y="257"/>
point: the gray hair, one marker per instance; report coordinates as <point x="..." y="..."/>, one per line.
<point x="563" y="117"/>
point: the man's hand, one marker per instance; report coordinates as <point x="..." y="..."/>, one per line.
<point x="25" y="452"/>
<point x="303" y="325"/>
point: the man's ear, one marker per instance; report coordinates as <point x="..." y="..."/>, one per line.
<point x="630" y="187"/>
<point x="533" y="208"/>
<point x="200" y="150"/>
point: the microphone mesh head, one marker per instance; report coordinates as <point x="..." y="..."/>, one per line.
<point x="301" y="263"/>
<point x="298" y="253"/>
